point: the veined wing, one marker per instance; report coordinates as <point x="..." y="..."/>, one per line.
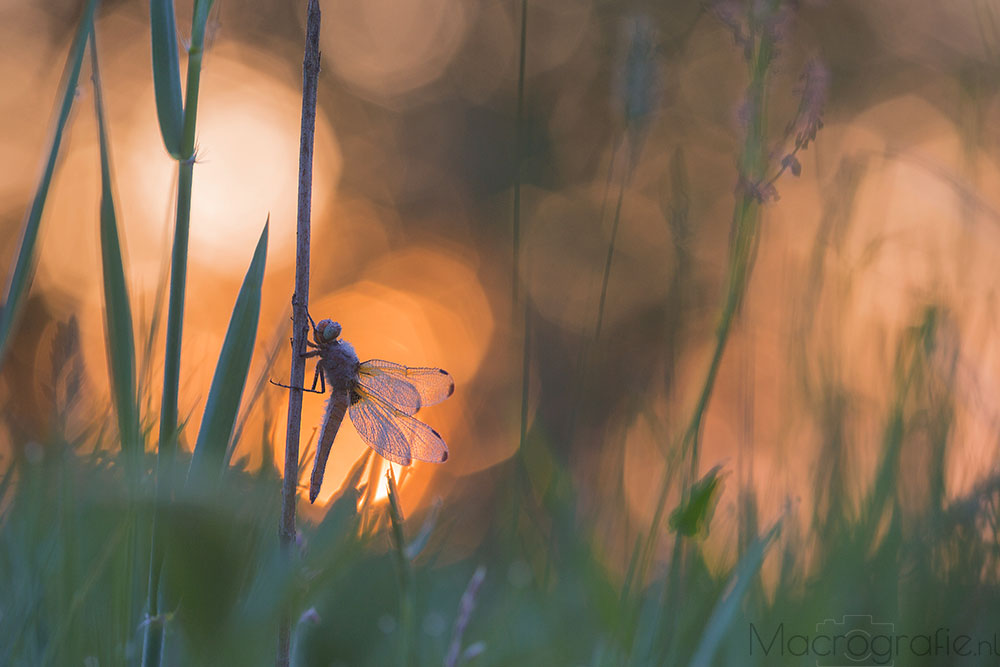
<point x="394" y="434"/>
<point x="406" y="388"/>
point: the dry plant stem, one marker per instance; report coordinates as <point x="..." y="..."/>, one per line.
<point x="300" y="327"/>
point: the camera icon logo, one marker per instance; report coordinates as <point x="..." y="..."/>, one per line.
<point x="856" y="641"/>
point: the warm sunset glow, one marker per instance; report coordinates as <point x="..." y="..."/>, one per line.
<point x="247" y="162"/>
<point x="422" y="307"/>
<point x="387" y="49"/>
<point x="716" y="282"/>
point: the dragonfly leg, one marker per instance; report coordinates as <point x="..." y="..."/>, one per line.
<point x="311" y="320"/>
<point x="322" y="382"/>
<point x="288" y="386"/>
<point x="317" y="377"/>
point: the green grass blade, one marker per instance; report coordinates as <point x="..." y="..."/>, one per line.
<point x="231" y="371"/>
<point x="167" y="74"/>
<point x="274" y="348"/>
<point x="20" y="277"/>
<point x="120" y="336"/>
<point x="201" y="10"/>
<point x="725" y="609"/>
<point x="407" y="603"/>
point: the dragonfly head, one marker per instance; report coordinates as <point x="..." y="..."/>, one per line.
<point x="327" y="331"/>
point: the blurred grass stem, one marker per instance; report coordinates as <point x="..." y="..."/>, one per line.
<point x="626" y="176"/>
<point x="518" y="140"/>
<point x="407" y="594"/>
<point x="744" y="240"/>
<point x="300" y="327"/>
<point x="516" y="269"/>
<point x="167" y="448"/>
<point x="20" y="276"/>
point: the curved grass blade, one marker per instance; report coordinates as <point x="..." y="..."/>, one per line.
<point x="20" y="277"/>
<point x="167" y="74"/>
<point x="231" y="371"/>
<point x="273" y="349"/>
<point x="727" y="606"/>
<point x="200" y="19"/>
<point x="407" y="601"/>
<point x="120" y="337"/>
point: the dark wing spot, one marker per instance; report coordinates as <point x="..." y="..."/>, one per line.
<point x="435" y="432"/>
<point x="451" y="389"/>
<point x="444" y="457"/>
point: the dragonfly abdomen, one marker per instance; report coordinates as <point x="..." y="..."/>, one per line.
<point x="336" y="408"/>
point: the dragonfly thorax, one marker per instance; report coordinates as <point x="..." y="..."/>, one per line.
<point x="340" y="364"/>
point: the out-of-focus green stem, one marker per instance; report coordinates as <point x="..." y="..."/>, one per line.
<point x="407" y="604"/>
<point x="745" y="233"/>
<point x="167" y="449"/>
<point x="611" y="248"/>
<point x="175" y="317"/>
<point x="743" y="247"/>
<point x="191" y="99"/>
<point x="178" y="263"/>
<point x="23" y="270"/>
<point x="518" y="140"/>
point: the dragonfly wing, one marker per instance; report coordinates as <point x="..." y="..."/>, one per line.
<point x="432" y="385"/>
<point x="393" y="387"/>
<point x="394" y="434"/>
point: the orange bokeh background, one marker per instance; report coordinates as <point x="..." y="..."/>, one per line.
<point x="411" y="251"/>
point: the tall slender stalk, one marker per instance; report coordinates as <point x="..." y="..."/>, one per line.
<point x="525" y="376"/>
<point x="167" y="448"/>
<point x="626" y="174"/>
<point x="744" y="239"/>
<point x="286" y="529"/>
<point x="745" y="232"/>
<point x="518" y="140"/>
<point x="407" y="594"/>
<point x="23" y="269"/>
<point x="178" y="262"/>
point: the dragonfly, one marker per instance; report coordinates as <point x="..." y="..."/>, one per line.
<point x="381" y="398"/>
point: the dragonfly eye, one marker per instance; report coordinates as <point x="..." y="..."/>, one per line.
<point x="328" y="330"/>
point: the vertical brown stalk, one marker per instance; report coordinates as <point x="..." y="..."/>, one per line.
<point x="286" y="529"/>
